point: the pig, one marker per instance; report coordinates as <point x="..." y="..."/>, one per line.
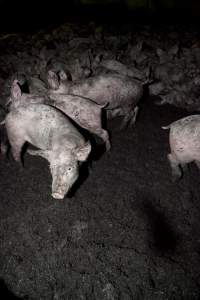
<point x="84" y="112"/>
<point x="168" y="56"/>
<point x="185" y="95"/>
<point x="122" y="93"/>
<point x="135" y="52"/>
<point x="169" y="69"/>
<point x="184" y="139"/>
<point x="58" y="141"/>
<point x="75" y="69"/>
<point x="114" y="66"/>
<point x="169" y="73"/>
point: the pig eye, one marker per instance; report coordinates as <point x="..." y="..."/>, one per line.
<point x="69" y="169"/>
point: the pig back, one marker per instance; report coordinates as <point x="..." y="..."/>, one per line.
<point x="80" y="109"/>
<point x="43" y="126"/>
<point x="115" y="90"/>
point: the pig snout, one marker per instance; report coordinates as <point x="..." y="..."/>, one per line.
<point x="63" y="179"/>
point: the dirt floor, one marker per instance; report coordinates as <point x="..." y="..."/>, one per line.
<point x="127" y="232"/>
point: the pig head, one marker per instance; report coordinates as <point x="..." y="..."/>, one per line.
<point x="58" y="83"/>
<point x="64" y="166"/>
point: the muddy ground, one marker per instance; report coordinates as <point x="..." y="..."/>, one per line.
<point x="127" y="231"/>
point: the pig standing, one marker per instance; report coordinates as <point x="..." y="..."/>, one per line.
<point x="113" y="65"/>
<point x="184" y="139"/>
<point x="84" y="112"/>
<point x="58" y="140"/>
<point x="121" y="93"/>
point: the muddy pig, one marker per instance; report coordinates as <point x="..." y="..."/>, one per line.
<point x="184" y="139"/>
<point x="57" y="139"/>
<point x="83" y="111"/>
<point x="118" y="67"/>
<point x="16" y="99"/>
<point x="122" y="93"/>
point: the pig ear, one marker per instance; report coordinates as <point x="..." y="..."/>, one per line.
<point x="83" y="152"/>
<point x="15" y="90"/>
<point x="62" y="75"/>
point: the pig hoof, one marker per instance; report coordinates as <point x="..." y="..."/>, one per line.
<point x="57" y="196"/>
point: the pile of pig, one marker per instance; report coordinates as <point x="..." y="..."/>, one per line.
<point x="64" y="78"/>
<point x="44" y="119"/>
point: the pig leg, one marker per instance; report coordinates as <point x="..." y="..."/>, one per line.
<point x="129" y="117"/>
<point x="110" y="113"/>
<point x="125" y="121"/>
<point x="34" y="152"/>
<point x="176" y="170"/>
<point x="134" y="116"/>
<point x="116" y="112"/>
<point x="37" y="152"/>
<point x="4" y="148"/>
<point x="16" y="146"/>
<point x="104" y="135"/>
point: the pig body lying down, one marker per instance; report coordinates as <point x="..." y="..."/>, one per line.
<point x="84" y="112"/>
<point x="122" y="93"/>
<point x="184" y="139"/>
<point x="57" y="139"/>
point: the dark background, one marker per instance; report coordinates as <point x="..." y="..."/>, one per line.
<point x="29" y="15"/>
<point x="158" y="216"/>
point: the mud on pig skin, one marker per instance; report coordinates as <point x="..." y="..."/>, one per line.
<point x="17" y="98"/>
<point x="120" y="92"/>
<point x="83" y="111"/>
<point x="118" y="67"/>
<point x="184" y="140"/>
<point x="57" y="139"/>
